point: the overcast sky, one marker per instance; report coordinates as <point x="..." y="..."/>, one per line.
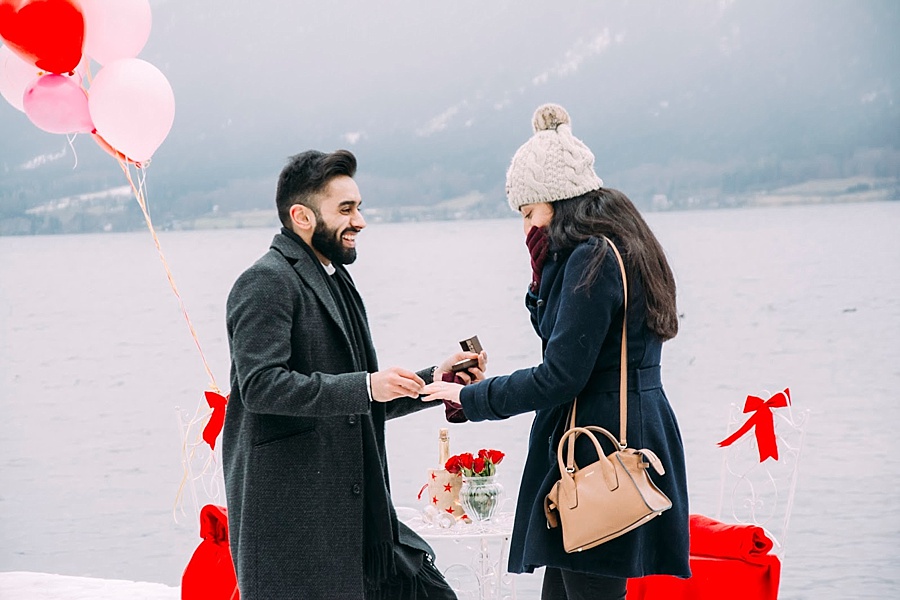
<point x="415" y="86"/>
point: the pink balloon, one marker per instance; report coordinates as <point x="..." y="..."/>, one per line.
<point x="115" y="29"/>
<point x="110" y="150"/>
<point x="57" y="104"/>
<point x="132" y="106"/>
<point x="15" y="76"/>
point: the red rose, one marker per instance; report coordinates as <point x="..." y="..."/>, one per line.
<point x="495" y="456"/>
<point x="478" y="466"/>
<point x="452" y="464"/>
<point x="466" y="459"/>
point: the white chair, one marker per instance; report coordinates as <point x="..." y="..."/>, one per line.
<point x="762" y="493"/>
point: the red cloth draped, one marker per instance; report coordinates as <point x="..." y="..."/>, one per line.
<point x="715" y="539"/>
<point x="210" y="573"/>
<point x="727" y="561"/>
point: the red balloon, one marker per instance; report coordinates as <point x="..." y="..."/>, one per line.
<point x="46" y="33"/>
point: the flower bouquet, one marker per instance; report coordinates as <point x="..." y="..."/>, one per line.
<point x="483" y="465"/>
<point x="480" y="492"/>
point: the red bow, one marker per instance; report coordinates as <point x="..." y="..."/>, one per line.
<point x="762" y="420"/>
<point x="213" y="427"/>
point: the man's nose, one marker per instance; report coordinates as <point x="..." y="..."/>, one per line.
<point x="358" y="221"/>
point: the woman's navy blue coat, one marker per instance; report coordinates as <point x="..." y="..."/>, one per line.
<point x="581" y="331"/>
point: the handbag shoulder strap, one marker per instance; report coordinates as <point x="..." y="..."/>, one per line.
<point x="623" y="367"/>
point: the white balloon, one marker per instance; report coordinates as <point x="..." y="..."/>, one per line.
<point x="115" y="29"/>
<point x="15" y="77"/>
<point x="132" y="106"/>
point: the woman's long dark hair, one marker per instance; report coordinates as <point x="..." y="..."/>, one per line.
<point x="610" y="213"/>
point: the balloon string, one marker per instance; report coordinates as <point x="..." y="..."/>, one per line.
<point x="185" y="465"/>
<point x="188" y="448"/>
<point x="187" y="461"/>
<point x="139" y="194"/>
<point x="71" y="140"/>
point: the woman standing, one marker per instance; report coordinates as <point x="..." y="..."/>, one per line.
<point x="576" y="301"/>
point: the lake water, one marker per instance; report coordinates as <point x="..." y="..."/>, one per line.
<point x="95" y="357"/>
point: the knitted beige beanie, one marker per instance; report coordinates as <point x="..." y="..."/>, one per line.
<point x="553" y="164"/>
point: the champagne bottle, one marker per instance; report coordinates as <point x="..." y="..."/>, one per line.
<point x="443" y="447"/>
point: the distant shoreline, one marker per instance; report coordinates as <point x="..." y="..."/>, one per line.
<point x="112" y="211"/>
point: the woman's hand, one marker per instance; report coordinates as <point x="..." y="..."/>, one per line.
<point x="441" y="390"/>
<point x="469" y="375"/>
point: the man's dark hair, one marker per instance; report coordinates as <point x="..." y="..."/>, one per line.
<point x="305" y="175"/>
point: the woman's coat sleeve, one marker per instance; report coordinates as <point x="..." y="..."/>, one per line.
<point x="578" y="321"/>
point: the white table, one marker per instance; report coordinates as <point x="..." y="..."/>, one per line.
<point x="472" y="556"/>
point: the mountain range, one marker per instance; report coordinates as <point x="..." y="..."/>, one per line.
<point x="683" y="103"/>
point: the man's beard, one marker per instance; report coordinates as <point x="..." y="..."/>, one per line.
<point x="328" y="242"/>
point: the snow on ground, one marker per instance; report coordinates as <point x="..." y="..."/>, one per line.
<point x="17" y="585"/>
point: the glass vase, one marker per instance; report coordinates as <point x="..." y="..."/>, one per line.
<point x="480" y="497"/>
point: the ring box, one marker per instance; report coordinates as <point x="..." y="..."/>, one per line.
<point x="468" y="345"/>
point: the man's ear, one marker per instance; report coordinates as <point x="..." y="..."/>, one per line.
<point x="302" y="217"/>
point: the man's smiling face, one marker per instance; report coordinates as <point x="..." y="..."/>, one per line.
<point x="338" y="221"/>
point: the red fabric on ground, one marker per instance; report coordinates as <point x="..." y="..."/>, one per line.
<point x="210" y="573"/>
<point x="727" y="562"/>
<point x="713" y="579"/>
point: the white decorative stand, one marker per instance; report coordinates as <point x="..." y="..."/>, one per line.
<point x="472" y="556"/>
<point x="762" y="493"/>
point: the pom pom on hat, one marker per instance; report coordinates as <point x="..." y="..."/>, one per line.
<point x="553" y="165"/>
<point x="549" y="116"/>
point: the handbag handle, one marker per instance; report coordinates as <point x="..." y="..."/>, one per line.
<point x="623" y="371"/>
<point x="609" y="471"/>
<point x="571" y="467"/>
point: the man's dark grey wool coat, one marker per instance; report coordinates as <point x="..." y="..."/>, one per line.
<point x="292" y="442"/>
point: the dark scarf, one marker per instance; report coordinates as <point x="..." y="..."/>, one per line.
<point x="395" y="558"/>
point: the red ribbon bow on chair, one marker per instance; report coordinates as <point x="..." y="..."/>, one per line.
<point x="762" y="420"/>
<point x="217" y="403"/>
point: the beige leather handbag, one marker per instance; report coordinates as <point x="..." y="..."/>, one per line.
<point x="613" y="495"/>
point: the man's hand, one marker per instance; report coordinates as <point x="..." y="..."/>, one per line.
<point x="395" y="383"/>
<point x="469" y="375"/>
